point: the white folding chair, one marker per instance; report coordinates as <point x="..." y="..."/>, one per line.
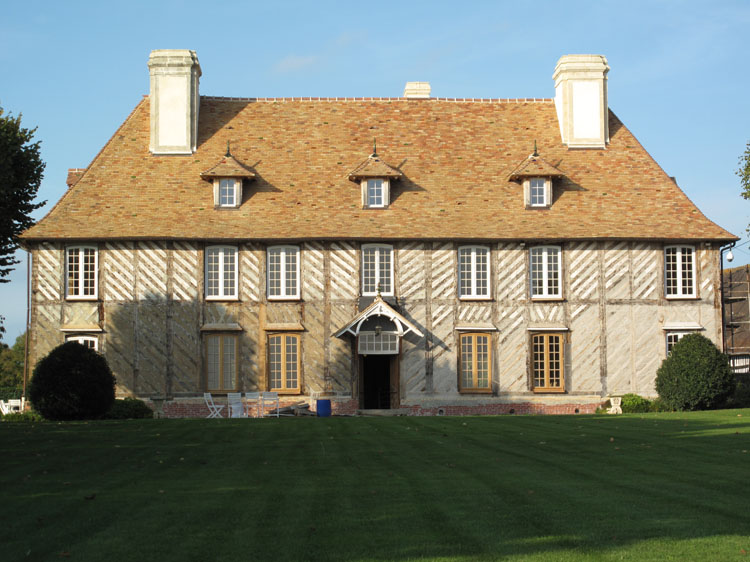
<point x="15" y="405"/>
<point x="269" y="398"/>
<point x="4" y="408"/>
<point x="214" y="410"/>
<point x="236" y="406"/>
<point x="252" y="399"/>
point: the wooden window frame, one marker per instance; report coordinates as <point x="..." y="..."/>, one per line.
<point x="385" y="190"/>
<point x="76" y="285"/>
<point x="473" y="275"/>
<point x="222" y="252"/>
<point x="236" y="192"/>
<point x="677" y="276"/>
<point x="378" y="249"/>
<point x="473" y="337"/>
<point x="545" y="293"/>
<point x="284" y="388"/>
<point x="545" y="192"/>
<point x="222" y="338"/>
<point x="546" y="371"/>
<point x="283" y="253"/>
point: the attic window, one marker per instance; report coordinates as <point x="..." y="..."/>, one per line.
<point x="539" y="192"/>
<point x="228" y="189"/>
<point x="536" y="175"/>
<point x="226" y="177"/>
<point x="374" y="177"/>
<point x="376" y="192"/>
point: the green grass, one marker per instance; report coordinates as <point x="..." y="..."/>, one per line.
<point x="631" y="487"/>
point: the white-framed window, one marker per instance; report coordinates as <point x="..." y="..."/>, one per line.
<point x="283" y="272"/>
<point x="378" y="343"/>
<point x="228" y="196"/>
<point x="546" y="272"/>
<point x="473" y="272"/>
<point x="673" y="337"/>
<point x="81" y="272"/>
<point x="221" y="272"/>
<point x="375" y="192"/>
<point x="679" y="271"/>
<point x="92" y="342"/>
<point x="221" y="362"/>
<point x="377" y="269"/>
<point x="537" y="192"/>
<point x="284" y="363"/>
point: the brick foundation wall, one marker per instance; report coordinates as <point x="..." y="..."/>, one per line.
<point x="196" y="408"/>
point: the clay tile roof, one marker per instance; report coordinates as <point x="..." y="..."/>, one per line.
<point x="374" y="167"/>
<point x="455" y="155"/>
<point x="228" y="167"/>
<point x="534" y="167"/>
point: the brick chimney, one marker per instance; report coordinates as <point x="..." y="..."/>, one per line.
<point x="581" y="100"/>
<point x="175" y="74"/>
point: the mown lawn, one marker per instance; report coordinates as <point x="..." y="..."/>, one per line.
<point x="631" y="487"/>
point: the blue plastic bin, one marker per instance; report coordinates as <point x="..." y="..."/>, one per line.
<point x="323" y="407"/>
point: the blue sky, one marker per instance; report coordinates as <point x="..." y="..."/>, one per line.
<point x="678" y="78"/>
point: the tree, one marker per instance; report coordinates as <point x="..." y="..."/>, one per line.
<point x="11" y="363"/>
<point x="744" y="172"/>
<point x="21" y="172"/>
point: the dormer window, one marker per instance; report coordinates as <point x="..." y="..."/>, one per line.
<point x="536" y="175"/>
<point x="227" y="177"/>
<point x="229" y="190"/>
<point x="539" y="192"/>
<point x="376" y="192"/>
<point x="374" y="176"/>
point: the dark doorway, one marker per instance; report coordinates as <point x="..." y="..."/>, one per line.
<point x="376" y="382"/>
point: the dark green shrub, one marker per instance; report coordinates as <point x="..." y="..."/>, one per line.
<point x="740" y="398"/>
<point x="129" y="409"/>
<point x="635" y="404"/>
<point x="658" y="405"/>
<point x="22" y="417"/>
<point x="73" y="382"/>
<point x="695" y="376"/>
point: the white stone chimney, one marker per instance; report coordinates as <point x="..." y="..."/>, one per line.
<point x="581" y="100"/>
<point x="174" y="101"/>
<point x="417" y="90"/>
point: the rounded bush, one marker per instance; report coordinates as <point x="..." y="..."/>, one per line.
<point x="695" y="376"/>
<point x="635" y="404"/>
<point x="129" y="409"/>
<point x="73" y="382"/>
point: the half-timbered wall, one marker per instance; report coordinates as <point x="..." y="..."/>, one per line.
<point x="150" y="313"/>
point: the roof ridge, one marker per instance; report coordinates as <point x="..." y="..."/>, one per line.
<point x="375" y="98"/>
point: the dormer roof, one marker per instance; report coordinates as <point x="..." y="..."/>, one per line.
<point x="535" y="167"/>
<point x="228" y="167"/>
<point x="374" y="167"/>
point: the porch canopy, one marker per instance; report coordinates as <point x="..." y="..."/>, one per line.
<point x="378" y="308"/>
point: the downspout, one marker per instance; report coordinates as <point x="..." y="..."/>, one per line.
<point x="721" y="295"/>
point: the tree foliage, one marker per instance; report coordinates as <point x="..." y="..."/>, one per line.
<point x="73" y="382"/>
<point x="695" y="376"/>
<point x="744" y="172"/>
<point x="11" y="363"/>
<point x="21" y="172"/>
